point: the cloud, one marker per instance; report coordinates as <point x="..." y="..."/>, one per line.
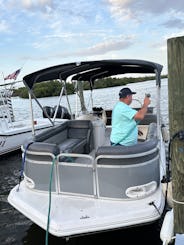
<point x="3" y="26"/>
<point x="174" y="23"/>
<point x="107" y="46"/>
<point x="133" y="9"/>
<point x="121" y="10"/>
<point x="120" y="43"/>
<point x="31" y="4"/>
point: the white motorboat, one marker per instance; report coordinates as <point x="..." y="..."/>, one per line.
<point x="12" y="132"/>
<point x="74" y="181"/>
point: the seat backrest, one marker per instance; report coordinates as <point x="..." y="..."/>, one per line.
<point x="82" y="129"/>
<point x="139" y="153"/>
<point x="50" y="132"/>
<point x="79" y="129"/>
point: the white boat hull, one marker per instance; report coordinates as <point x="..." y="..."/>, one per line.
<point x="14" y="135"/>
<point x="72" y="215"/>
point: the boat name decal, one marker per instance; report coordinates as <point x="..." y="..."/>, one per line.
<point x="84" y="217"/>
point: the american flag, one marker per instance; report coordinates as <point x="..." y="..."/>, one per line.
<point x="14" y="75"/>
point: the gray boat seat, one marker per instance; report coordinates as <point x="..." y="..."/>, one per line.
<point x="128" y="166"/>
<point x="44" y="147"/>
<point x="79" y="137"/>
<point x="122" y="167"/>
<point x="73" y="145"/>
<point x="131" y="153"/>
<point x="74" y="136"/>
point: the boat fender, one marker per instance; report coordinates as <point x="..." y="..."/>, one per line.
<point x="165" y="133"/>
<point x="167" y="229"/>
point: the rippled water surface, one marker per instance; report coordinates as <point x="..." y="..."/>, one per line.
<point x="17" y="229"/>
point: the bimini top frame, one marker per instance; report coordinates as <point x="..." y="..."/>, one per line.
<point x="93" y="70"/>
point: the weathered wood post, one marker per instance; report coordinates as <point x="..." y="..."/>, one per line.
<point x="176" y="123"/>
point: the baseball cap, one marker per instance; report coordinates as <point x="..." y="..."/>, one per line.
<point x="124" y="92"/>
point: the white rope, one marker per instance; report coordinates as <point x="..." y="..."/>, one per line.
<point x="178" y="202"/>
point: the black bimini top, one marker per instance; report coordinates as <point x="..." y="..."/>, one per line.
<point x="92" y="70"/>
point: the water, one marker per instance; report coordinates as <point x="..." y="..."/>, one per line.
<point x="105" y="98"/>
<point x="17" y="229"/>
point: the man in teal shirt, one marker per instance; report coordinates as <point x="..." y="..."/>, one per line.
<point x="124" y="126"/>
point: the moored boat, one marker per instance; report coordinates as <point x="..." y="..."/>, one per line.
<point x="75" y="182"/>
<point x="14" y="132"/>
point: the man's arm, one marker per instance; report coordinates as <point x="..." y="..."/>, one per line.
<point x="142" y="112"/>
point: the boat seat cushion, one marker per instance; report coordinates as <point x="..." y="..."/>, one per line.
<point x="127" y="150"/>
<point x="49" y="135"/>
<point x="130" y="153"/>
<point x="73" y="145"/>
<point x="43" y="147"/>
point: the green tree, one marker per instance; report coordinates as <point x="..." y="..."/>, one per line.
<point x="53" y="88"/>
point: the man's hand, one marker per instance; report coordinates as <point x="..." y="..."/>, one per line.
<point x="147" y="101"/>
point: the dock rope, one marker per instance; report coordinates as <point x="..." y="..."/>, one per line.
<point x="179" y="135"/>
<point x="178" y="202"/>
<point x="154" y="205"/>
<point x="49" y="208"/>
<point x="23" y="164"/>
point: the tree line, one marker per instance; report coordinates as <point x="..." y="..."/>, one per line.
<point x="53" y="88"/>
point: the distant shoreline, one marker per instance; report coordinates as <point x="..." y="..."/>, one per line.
<point x="53" y="88"/>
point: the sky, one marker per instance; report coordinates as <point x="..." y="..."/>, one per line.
<point x="35" y="34"/>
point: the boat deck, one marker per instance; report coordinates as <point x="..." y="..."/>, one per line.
<point x="84" y="215"/>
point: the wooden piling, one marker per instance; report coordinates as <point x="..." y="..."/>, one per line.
<point x="175" y="47"/>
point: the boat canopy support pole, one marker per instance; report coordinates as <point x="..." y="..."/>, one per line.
<point x="76" y="100"/>
<point x="81" y="96"/>
<point x="60" y="96"/>
<point x="32" y="116"/>
<point x="69" y="107"/>
<point x="158" y="101"/>
<point x="31" y="93"/>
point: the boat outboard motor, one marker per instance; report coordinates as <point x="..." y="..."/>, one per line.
<point x="49" y="110"/>
<point x="62" y="112"/>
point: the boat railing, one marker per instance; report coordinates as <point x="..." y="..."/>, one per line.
<point x="37" y="170"/>
<point x="104" y="176"/>
<point x="106" y="172"/>
<point x="124" y="171"/>
<point x="6" y="109"/>
<point x="73" y="174"/>
<point x="76" y="174"/>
